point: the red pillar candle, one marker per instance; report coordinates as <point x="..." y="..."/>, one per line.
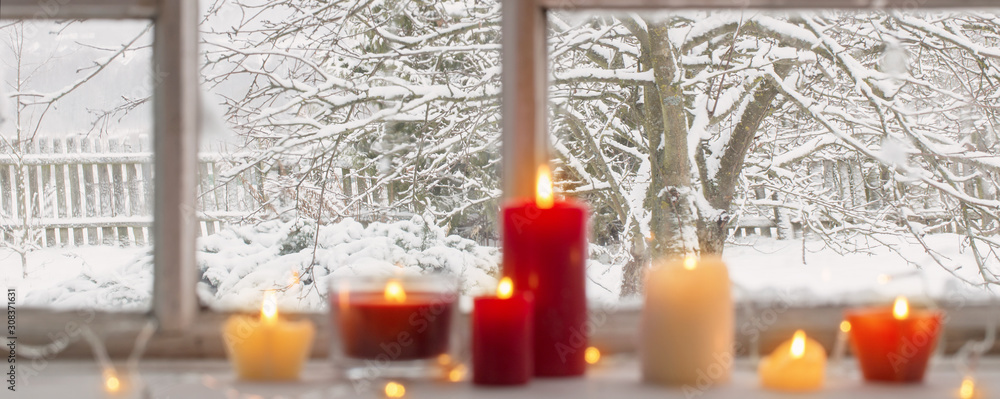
<point x="501" y="337"/>
<point x="894" y="344"/>
<point x="396" y="324"/>
<point x="545" y="251"/>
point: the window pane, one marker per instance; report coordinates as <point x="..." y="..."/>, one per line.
<point x="75" y="163"/>
<point x="834" y="156"/>
<point x="352" y="140"/>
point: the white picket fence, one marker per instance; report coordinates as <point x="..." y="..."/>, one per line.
<point x="97" y="191"/>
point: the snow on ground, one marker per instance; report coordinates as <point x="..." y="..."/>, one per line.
<point x="238" y="263"/>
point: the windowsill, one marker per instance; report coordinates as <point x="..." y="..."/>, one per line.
<point x="614" y="378"/>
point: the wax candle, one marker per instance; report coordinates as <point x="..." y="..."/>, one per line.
<point x="545" y="252"/>
<point x="687" y="323"/>
<point x="393" y="324"/>
<point x="501" y="337"/>
<point x="268" y="348"/>
<point x="894" y="344"/>
<point x="797" y="365"/>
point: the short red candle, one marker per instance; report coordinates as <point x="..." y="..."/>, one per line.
<point x="545" y="251"/>
<point x="501" y="340"/>
<point x="891" y="348"/>
<point x="415" y="328"/>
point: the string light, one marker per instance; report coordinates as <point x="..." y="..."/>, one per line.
<point x="845" y="326"/>
<point x="394" y="390"/>
<point x="592" y="355"/>
<point x="457" y="373"/>
<point x="968" y="389"/>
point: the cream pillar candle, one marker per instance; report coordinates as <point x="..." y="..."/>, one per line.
<point x="687" y="323"/>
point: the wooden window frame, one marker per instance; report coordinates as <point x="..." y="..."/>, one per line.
<point x="187" y="330"/>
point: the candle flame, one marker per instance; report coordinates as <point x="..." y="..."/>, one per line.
<point x="505" y="289"/>
<point x="592" y="355"/>
<point x="269" y="309"/>
<point x="544" y="195"/>
<point x="845" y="326"/>
<point x="900" y="309"/>
<point x="112" y="384"/>
<point x="394" y="292"/>
<point x="798" y="344"/>
<point x="394" y="390"/>
<point x="968" y="389"/>
<point x="690" y="262"/>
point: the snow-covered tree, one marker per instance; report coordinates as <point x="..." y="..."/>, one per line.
<point x="854" y="123"/>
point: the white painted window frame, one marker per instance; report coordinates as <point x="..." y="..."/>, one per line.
<point x="187" y="330"/>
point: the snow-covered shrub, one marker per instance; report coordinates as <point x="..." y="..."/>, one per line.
<point x="238" y="263"/>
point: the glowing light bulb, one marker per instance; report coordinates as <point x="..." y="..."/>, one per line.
<point x="968" y="389"/>
<point x="592" y="355"/>
<point x="457" y="373"/>
<point x="394" y="390"/>
<point x="798" y="344"/>
<point x="900" y="309"/>
<point x="505" y="289"/>
<point x="112" y="384"/>
<point x="269" y="309"/>
<point x="394" y="292"/>
<point x="690" y="262"/>
<point x="845" y="326"/>
<point x="544" y="195"/>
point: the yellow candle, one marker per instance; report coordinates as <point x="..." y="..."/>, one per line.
<point x="687" y="324"/>
<point x="798" y="364"/>
<point x="268" y="348"/>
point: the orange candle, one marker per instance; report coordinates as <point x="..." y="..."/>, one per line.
<point x="893" y="344"/>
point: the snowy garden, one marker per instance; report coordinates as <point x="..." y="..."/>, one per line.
<point x="830" y="157"/>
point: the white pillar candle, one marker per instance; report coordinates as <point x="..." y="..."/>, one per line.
<point x="687" y="324"/>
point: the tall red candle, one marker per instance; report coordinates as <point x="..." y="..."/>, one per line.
<point x="545" y="251"/>
<point x="501" y="337"/>
<point x="894" y="344"/>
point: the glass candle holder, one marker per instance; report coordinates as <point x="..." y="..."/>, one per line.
<point x="894" y="344"/>
<point x="392" y="326"/>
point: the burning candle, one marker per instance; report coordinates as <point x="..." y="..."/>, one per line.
<point x="267" y="348"/>
<point x="545" y="253"/>
<point x="687" y="323"/>
<point x="501" y="337"/>
<point x="797" y="365"/>
<point x="894" y="344"/>
<point x="393" y="323"/>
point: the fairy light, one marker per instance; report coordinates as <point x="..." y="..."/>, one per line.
<point x="845" y="326"/>
<point x="394" y="390"/>
<point x="968" y="389"/>
<point x="457" y="373"/>
<point x="592" y="355"/>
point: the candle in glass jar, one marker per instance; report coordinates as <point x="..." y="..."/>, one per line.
<point x="268" y="348"/>
<point x="687" y="323"/>
<point x="545" y="252"/>
<point x="395" y="324"/>
<point x="894" y="344"/>
<point x="797" y="365"/>
<point x="501" y="337"/>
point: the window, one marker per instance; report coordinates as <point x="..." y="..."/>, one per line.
<point x="285" y="91"/>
